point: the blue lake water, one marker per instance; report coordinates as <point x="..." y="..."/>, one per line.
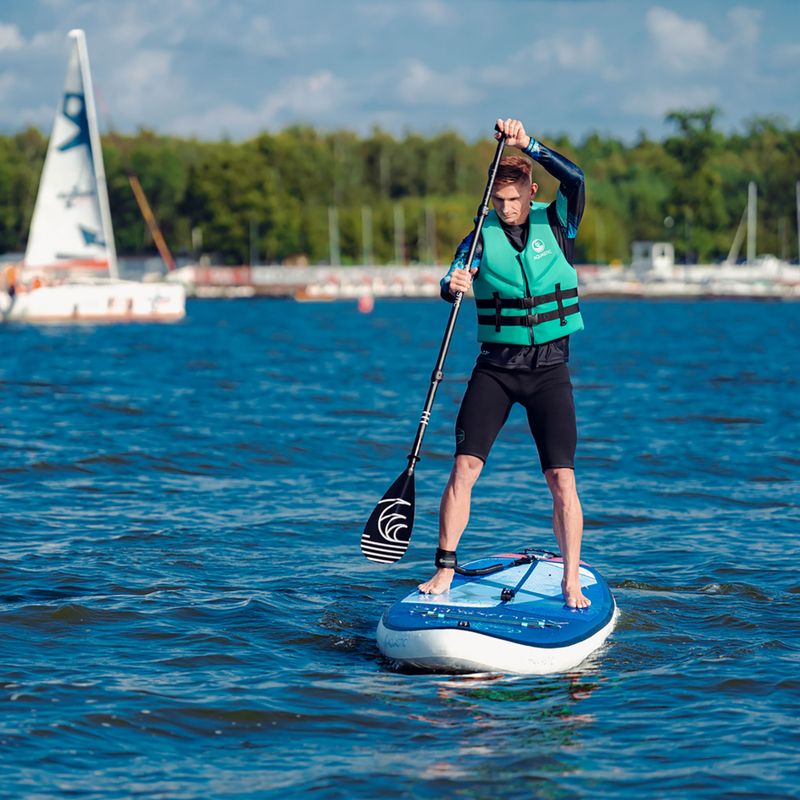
<point x="186" y="612"/>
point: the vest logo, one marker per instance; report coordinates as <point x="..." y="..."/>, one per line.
<point x="538" y="247"/>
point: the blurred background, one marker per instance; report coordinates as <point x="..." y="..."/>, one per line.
<point x="186" y="612"/>
<point x="247" y="121"/>
<point x="184" y="609"/>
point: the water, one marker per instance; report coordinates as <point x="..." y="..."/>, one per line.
<point x="186" y="613"/>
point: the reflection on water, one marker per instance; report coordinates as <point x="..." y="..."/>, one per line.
<point x="502" y="727"/>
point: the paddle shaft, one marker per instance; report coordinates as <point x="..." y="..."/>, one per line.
<point x="438" y="370"/>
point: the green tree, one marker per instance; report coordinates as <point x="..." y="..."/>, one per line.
<point x="696" y="199"/>
<point x="275" y="189"/>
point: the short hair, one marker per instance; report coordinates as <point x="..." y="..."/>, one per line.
<point x="513" y="169"/>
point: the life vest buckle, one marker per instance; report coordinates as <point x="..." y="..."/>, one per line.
<point x="532" y="319"/>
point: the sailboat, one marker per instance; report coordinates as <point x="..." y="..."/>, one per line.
<point x="69" y="273"/>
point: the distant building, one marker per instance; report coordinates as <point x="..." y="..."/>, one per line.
<point x="657" y="257"/>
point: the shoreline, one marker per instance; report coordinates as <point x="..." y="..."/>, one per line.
<point x="322" y="283"/>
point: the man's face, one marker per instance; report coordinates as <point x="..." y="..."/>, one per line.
<point x="512" y="201"/>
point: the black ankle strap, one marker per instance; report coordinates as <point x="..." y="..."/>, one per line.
<point x="446" y="559"/>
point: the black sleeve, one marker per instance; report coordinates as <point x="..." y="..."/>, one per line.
<point x="570" y="201"/>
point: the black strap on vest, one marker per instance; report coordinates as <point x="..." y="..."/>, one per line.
<point x="527" y="302"/>
<point x="529" y="319"/>
<point x="559" y="299"/>
<point x="498" y="303"/>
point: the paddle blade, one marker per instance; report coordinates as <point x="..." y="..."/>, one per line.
<point x="388" y="530"/>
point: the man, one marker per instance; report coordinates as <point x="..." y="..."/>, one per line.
<point x="527" y="301"/>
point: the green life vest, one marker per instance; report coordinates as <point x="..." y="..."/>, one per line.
<point x="529" y="297"/>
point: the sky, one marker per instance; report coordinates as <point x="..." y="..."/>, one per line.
<point x="212" y="68"/>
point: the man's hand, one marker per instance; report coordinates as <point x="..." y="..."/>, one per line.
<point x="514" y="131"/>
<point x="461" y="280"/>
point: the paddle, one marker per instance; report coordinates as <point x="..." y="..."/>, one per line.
<point x="388" y="530"/>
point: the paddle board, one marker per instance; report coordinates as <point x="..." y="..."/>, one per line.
<point x="513" y="620"/>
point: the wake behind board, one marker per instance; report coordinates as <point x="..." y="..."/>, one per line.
<point x="472" y="628"/>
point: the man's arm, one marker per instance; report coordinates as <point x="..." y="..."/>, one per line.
<point x="460" y="262"/>
<point x="570" y="200"/>
<point x="567" y="209"/>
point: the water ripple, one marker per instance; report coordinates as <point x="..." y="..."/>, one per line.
<point x="186" y="614"/>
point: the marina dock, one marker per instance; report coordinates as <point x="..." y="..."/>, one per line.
<point x="768" y="278"/>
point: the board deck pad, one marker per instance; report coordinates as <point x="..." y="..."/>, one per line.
<point x="536" y="615"/>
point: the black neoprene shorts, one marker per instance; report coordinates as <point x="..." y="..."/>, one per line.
<point x="546" y="394"/>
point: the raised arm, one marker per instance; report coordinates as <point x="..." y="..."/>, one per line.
<point x="570" y="199"/>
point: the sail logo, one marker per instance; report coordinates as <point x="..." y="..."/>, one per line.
<point x="74" y="109"/>
<point x="91" y="237"/>
<point x="391" y="521"/>
<point x="73" y="195"/>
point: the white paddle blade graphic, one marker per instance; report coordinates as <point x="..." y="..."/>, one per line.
<point x="388" y="530"/>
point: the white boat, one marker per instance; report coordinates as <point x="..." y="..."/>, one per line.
<point x="69" y="273"/>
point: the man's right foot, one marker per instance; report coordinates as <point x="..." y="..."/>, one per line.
<point x="439" y="583"/>
<point x="573" y="596"/>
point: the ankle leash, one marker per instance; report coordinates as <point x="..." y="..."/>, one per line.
<point x="445" y="559"/>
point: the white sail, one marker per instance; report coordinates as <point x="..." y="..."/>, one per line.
<point x="71" y="226"/>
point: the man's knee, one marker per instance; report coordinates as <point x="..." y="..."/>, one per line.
<point x="561" y="482"/>
<point x="466" y="470"/>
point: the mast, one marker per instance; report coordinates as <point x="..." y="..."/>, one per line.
<point x="152" y="224"/>
<point x="736" y="245"/>
<point x="751" y="222"/>
<point x="797" y="203"/>
<point x="400" y="233"/>
<point x="366" y="235"/>
<point x="333" y="236"/>
<point x="79" y="37"/>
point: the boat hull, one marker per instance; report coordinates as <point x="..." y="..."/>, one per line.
<point x="108" y="301"/>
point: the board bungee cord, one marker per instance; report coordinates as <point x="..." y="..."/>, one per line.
<point x="529" y="555"/>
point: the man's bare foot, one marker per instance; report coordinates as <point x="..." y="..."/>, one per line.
<point x="573" y="596"/>
<point x="439" y="583"/>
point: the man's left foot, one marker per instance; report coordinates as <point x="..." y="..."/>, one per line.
<point x="439" y="583"/>
<point x="573" y="596"/>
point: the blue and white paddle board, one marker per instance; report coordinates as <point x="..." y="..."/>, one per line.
<point x="471" y="628"/>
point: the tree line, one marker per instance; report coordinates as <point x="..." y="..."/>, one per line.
<point x="413" y="198"/>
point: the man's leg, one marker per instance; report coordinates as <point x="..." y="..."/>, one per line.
<point x="454" y="516"/>
<point x="568" y="528"/>
<point x="551" y="415"/>
<point x="484" y="410"/>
